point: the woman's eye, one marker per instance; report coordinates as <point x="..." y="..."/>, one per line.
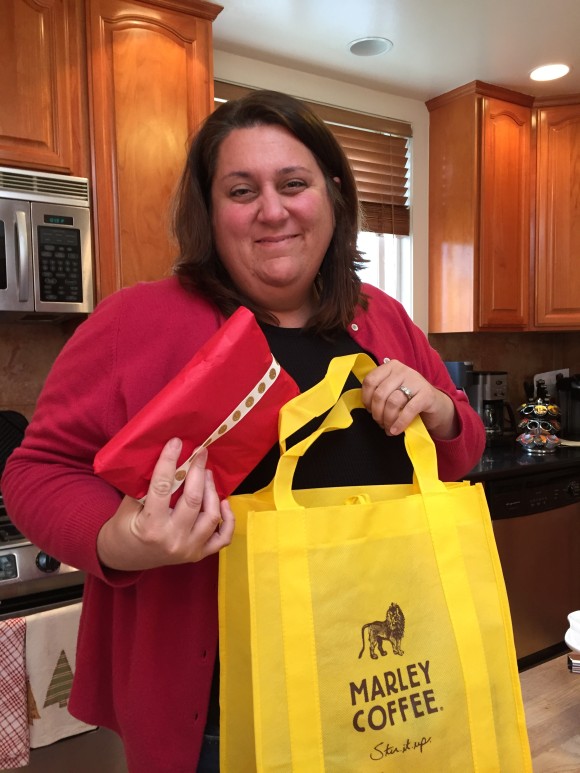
<point x="295" y="185"/>
<point x="238" y="193"/>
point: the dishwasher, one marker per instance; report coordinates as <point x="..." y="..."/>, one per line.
<point x="536" y="522"/>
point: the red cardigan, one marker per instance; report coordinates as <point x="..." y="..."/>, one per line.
<point x="147" y="640"/>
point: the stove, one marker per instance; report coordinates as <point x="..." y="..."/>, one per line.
<point x="29" y="577"/>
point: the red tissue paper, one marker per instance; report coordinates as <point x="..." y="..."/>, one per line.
<point x="227" y="398"/>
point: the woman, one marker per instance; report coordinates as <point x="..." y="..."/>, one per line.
<point x="266" y="217"/>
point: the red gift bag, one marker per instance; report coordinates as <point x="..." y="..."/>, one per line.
<point x="226" y="398"/>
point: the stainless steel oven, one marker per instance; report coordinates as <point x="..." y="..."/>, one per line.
<point x="33" y="582"/>
<point x="30" y="579"/>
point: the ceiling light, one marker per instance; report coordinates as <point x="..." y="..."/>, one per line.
<point x="549" y="72"/>
<point x="370" y="46"/>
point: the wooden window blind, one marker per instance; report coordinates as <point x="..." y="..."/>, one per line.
<point x="378" y="151"/>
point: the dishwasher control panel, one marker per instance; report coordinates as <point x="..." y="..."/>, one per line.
<point x="528" y="494"/>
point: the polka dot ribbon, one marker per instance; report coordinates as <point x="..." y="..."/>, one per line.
<point x="246" y="405"/>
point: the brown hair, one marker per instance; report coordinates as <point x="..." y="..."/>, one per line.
<point x="199" y="265"/>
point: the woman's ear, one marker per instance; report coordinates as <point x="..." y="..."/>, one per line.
<point x="337" y="180"/>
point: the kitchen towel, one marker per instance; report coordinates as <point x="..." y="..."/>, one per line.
<point x="51" y="638"/>
<point x="14" y="739"/>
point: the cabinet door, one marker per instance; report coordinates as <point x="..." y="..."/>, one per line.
<point x="42" y="121"/>
<point x="557" y="272"/>
<point x="151" y="83"/>
<point x="504" y="253"/>
<point x="453" y="207"/>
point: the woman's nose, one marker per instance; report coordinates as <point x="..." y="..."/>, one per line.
<point x="271" y="206"/>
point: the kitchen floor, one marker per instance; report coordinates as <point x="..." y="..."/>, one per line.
<point x="551" y="697"/>
<point x="98" y="751"/>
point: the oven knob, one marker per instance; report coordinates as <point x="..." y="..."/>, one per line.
<point x="574" y="488"/>
<point x="47" y="563"/>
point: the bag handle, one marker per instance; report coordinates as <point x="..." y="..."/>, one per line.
<point x="418" y="442"/>
<point x="322" y="396"/>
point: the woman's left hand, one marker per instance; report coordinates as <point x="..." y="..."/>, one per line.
<point x="394" y="394"/>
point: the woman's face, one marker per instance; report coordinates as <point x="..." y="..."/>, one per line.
<point x="272" y="219"/>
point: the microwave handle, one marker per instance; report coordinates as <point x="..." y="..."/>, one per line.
<point x="22" y="256"/>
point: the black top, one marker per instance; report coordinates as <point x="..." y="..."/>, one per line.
<point x="362" y="454"/>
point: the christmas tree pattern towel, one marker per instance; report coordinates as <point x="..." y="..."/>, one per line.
<point x="51" y="639"/>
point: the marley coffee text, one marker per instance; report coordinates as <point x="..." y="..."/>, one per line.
<point x="396" y="696"/>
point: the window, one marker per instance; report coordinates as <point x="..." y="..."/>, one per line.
<point x="389" y="265"/>
<point x="379" y="152"/>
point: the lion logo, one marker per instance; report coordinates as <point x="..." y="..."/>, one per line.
<point x="392" y="629"/>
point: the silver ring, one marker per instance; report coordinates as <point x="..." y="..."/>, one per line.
<point x="406" y="391"/>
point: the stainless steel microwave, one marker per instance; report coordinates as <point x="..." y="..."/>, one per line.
<point x="46" y="263"/>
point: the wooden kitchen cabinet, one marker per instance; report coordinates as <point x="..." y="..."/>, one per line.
<point x="557" y="254"/>
<point x="150" y="85"/>
<point x="43" y="115"/>
<point x="479" y="209"/>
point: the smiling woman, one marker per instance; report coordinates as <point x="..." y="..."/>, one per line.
<point x="267" y="217"/>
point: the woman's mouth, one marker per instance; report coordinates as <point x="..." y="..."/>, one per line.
<point x="275" y="239"/>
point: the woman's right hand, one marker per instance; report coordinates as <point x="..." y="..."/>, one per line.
<point x="151" y="535"/>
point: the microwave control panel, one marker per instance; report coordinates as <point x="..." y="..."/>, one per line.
<point x="59" y="264"/>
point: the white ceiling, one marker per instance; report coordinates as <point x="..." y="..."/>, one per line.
<point x="438" y="44"/>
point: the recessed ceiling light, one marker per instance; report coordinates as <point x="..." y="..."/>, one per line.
<point x="370" y="46"/>
<point x="549" y="72"/>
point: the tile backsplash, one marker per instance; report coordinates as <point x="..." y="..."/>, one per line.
<point x="521" y="355"/>
<point x="27" y="352"/>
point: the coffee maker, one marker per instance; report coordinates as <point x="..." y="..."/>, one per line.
<point x="461" y="373"/>
<point x="487" y="395"/>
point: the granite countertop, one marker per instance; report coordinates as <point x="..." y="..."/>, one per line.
<point x="509" y="460"/>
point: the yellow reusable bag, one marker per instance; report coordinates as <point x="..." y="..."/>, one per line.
<point x="365" y="629"/>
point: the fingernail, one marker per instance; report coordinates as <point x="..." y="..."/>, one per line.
<point x="201" y="453"/>
<point x="174" y="444"/>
